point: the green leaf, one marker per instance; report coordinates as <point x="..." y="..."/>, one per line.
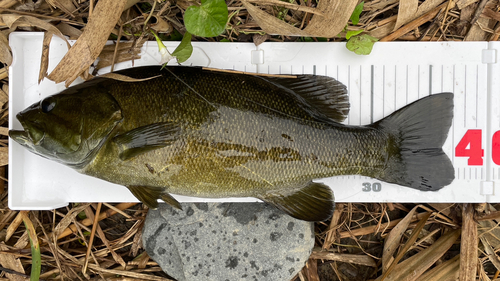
<point x="207" y="20"/>
<point x="361" y="44"/>
<point x="36" y="258"/>
<point x="351" y="33"/>
<point x="357" y="11"/>
<point x="82" y="215"/>
<point x="184" y="50"/>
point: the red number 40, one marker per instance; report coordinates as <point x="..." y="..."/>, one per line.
<point x="471" y="146"/>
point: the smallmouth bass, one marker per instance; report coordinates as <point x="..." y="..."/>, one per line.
<point x="204" y="133"/>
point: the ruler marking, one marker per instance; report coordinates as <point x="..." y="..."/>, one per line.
<point x="383" y="93"/>
<point x="442" y="80"/>
<point x="406" y="84"/>
<point x="395" y="87"/>
<point x="430" y="80"/>
<point x="360" y="94"/>
<point x="418" y="82"/>
<point x="372" y="94"/>
<point x="349" y="87"/>
<point x="458" y="173"/>
<point x="453" y="120"/>
<point x="465" y="97"/>
<point x="477" y="91"/>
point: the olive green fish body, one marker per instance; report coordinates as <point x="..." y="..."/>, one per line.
<point x="196" y="132"/>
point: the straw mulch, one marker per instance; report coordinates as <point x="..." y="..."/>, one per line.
<point x="394" y="241"/>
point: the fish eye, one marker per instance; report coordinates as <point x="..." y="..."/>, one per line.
<point x="47" y="105"/>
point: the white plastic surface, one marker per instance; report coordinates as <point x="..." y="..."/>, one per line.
<point x="394" y="75"/>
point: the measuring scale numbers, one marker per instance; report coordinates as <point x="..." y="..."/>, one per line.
<point x="471" y="146"/>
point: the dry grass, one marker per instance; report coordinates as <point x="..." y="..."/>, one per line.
<point x="386" y="241"/>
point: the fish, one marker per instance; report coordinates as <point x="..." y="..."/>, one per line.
<point x="199" y="132"/>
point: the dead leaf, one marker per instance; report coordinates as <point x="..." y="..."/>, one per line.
<point x="88" y="47"/>
<point x="5" y="52"/>
<point x="365" y="260"/>
<point x="445" y="271"/>
<point x="68" y="218"/>
<point x="311" y="270"/>
<point x="10" y="262"/>
<point x="13" y="21"/>
<point x="125" y="52"/>
<point x="378" y="5"/>
<point x="124" y="78"/>
<point x="464" y="3"/>
<point x="290" y="6"/>
<point x="468" y="245"/>
<point x="393" y="239"/>
<point x="14" y="225"/>
<point x="492" y="256"/>
<point x="8" y="3"/>
<point x="416" y="265"/>
<point x="413" y="237"/>
<point x="66" y="6"/>
<point x="68" y="30"/>
<point x="4" y="156"/>
<point x="336" y="15"/>
<point x="44" y="62"/>
<point x="161" y="26"/>
<point x="407" y="10"/>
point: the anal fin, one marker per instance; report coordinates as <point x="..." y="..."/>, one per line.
<point x="150" y="195"/>
<point x="314" y="202"/>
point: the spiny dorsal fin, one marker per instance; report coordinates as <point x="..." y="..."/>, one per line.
<point x="325" y="95"/>
<point x="314" y="202"/>
<point x="146" y="138"/>
<point x="149" y="196"/>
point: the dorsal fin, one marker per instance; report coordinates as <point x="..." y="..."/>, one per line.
<point x="325" y="95"/>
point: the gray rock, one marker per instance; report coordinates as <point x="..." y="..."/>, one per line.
<point x="227" y="241"/>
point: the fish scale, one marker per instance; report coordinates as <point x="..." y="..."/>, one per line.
<point x="196" y="132"/>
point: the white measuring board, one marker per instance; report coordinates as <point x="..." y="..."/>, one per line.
<point x="394" y="75"/>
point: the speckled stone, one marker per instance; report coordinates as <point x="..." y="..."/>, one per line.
<point x="227" y="241"/>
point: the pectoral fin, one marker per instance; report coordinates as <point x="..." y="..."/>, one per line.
<point x="150" y="195"/>
<point x="146" y="138"/>
<point x="314" y="202"/>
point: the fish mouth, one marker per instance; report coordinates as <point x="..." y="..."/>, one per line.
<point x="30" y="136"/>
<point x="22" y="138"/>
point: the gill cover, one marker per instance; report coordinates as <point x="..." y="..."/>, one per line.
<point x="71" y="126"/>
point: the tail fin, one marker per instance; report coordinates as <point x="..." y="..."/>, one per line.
<point x="416" y="136"/>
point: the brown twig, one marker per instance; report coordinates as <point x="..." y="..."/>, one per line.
<point x="413" y="24"/>
<point x="87" y="222"/>
<point x="91" y="240"/>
